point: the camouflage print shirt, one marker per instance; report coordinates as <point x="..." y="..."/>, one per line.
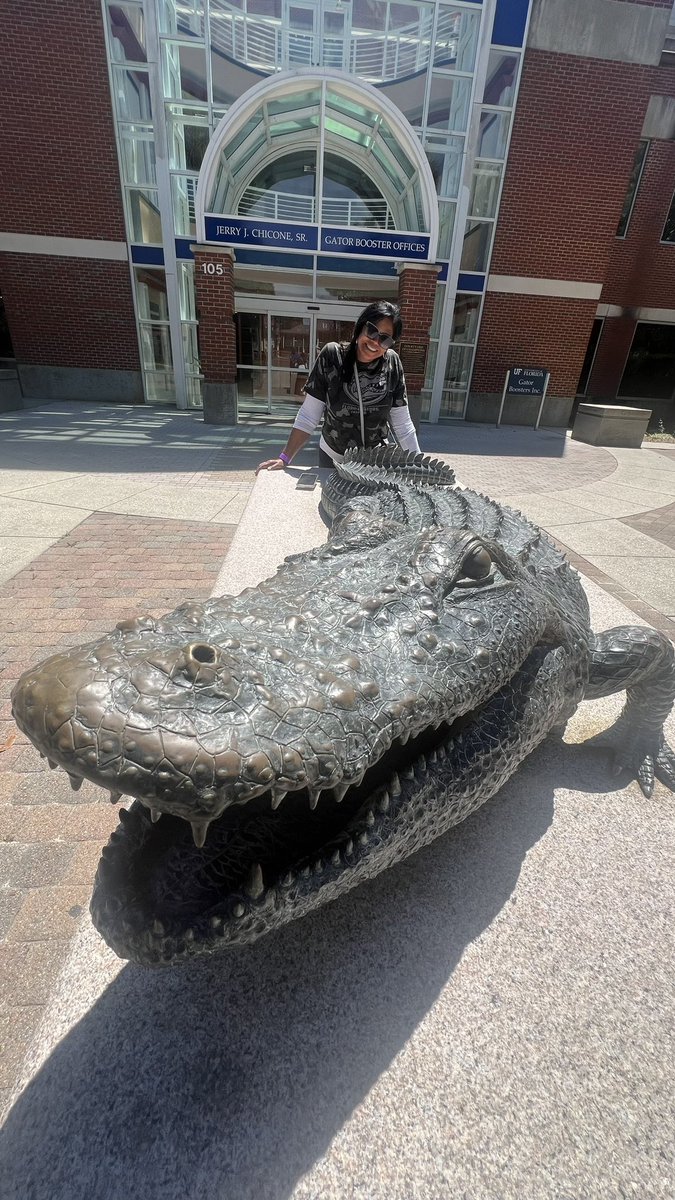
<point x="382" y="388"/>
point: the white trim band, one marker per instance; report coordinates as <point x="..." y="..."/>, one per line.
<point x="31" y="243"/>
<point x="663" y="316"/>
<point x="526" y="285"/>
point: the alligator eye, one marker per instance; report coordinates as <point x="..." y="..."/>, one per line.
<point x="477" y="563"/>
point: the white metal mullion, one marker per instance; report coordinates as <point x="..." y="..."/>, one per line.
<point x="461" y="211"/>
<point x="209" y="65"/>
<point x="165" y="202"/>
<point x="318" y="200"/>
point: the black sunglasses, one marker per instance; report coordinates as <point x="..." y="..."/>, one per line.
<point x="375" y="336"/>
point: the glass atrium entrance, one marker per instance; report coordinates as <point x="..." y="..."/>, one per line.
<point x="276" y="347"/>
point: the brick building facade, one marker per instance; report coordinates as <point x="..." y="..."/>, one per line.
<point x="105" y="277"/>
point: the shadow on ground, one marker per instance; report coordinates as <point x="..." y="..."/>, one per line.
<point x="230" y="1077"/>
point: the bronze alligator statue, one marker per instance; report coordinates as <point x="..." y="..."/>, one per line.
<point x="285" y="744"/>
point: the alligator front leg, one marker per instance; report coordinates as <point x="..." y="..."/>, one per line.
<point x="642" y="662"/>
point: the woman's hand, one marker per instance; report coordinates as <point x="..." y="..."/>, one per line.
<point x="270" y="464"/>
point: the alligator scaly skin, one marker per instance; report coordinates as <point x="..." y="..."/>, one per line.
<point x="312" y="731"/>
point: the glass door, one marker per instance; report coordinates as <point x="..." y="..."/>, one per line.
<point x="276" y="351"/>
<point x="301" y="30"/>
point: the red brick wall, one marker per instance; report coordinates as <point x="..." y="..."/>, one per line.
<point x="532" y="331"/>
<point x="577" y="123"/>
<point x="215" y="309"/>
<point x="641" y="270"/>
<point x="69" y="312"/>
<point x="610" y="358"/>
<point x="416" y="295"/>
<point x="60" y="173"/>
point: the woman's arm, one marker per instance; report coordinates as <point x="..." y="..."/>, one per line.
<point x="404" y="430"/>
<point x="304" y="425"/>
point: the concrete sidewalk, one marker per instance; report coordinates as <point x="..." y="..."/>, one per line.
<point x="106" y="512"/>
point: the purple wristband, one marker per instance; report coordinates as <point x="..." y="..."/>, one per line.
<point x="284" y="458"/>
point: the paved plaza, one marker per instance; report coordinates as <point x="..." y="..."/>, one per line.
<point x="107" y="512"/>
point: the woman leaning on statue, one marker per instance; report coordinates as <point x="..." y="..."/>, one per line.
<point x="358" y="390"/>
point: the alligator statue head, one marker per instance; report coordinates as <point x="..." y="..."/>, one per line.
<point x="285" y="744"/>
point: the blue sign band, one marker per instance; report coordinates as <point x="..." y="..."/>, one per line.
<point x="379" y="242"/>
<point x="239" y="231"/>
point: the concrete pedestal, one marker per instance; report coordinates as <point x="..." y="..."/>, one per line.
<point x="610" y="425"/>
<point x="220" y="403"/>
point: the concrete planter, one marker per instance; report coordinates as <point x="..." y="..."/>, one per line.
<point x="610" y="425"/>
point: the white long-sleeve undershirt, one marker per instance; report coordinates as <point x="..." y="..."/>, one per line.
<point x="400" y="420"/>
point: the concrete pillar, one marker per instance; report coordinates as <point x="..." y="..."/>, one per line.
<point x="416" y="296"/>
<point x="214" y="289"/>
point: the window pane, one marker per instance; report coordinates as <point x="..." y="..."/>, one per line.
<point x="668" y="234"/>
<point x="194" y="391"/>
<point x="452" y="405"/>
<point x="439" y="300"/>
<point x="190" y="348"/>
<point x="127" y="33"/>
<point x="465" y="318"/>
<point x="187" y="144"/>
<point x="186" y="288"/>
<point x="184" y="72"/>
<point x="448" y="103"/>
<point x="156" y="347"/>
<point x="485" y="189"/>
<point x="456" y="38"/>
<point x="160" y="387"/>
<point x="446" y="166"/>
<point x="446" y="225"/>
<point x="137" y="147"/>
<point x="183" y="191"/>
<point x="492" y="135"/>
<point x="500" y="84"/>
<point x="251" y="331"/>
<point x="145" y="224"/>
<point x="431" y="365"/>
<point x="151" y="294"/>
<point x="631" y="190"/>
<point x="458" y="366"/>
<point x="650" y="370"/>
<point x="183" y="19"/>
<point x="132" y="95"/>
<point x="408" y="95"/>
<point x="476" y="248"/>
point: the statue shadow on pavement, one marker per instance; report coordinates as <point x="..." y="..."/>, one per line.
<point x="229" y="1077"/>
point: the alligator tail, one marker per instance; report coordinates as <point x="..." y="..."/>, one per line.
<point x="384" y="468"/>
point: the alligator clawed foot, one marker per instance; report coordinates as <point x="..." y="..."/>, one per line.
<point x="645" y="757"/>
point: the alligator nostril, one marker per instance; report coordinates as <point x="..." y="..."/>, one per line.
<point x="201" y="652"/>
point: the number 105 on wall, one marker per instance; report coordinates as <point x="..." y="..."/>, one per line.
<point x="212" y="268"/>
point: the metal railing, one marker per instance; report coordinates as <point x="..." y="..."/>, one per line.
<point x="267" y="45"/>
<point x="284" y="206"/>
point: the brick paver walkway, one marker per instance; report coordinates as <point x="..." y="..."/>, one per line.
<point x="107" y="568"/>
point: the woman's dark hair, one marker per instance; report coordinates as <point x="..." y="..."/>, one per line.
<point x="377" y="311"/>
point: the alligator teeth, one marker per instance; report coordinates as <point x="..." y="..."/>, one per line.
<point x="254" y="884"/>
<point x="404" y="737"/>
<point x="349" y="846"/>
<point x="441" y="752"/>
<point x="432" y="757"/>
<point x="358" y="780"/>
<point x="216" y="922"/>
<point x="408" y="773"/>
<point x="363" y="839"/>
<point x="395" y="785"/>
<point x="189" y="935"/>
<point x="277" y="796"/>
<point x="158" y="928"/>
<point x="52" y="764"/>
<point x="370" y="818"/>
<point x="239" y="909"/>
<point x="421" y="763"/>
<point x="314" y="794"/>
<point x="383" y="802"/>
<point x="199" y="831"/>
<point x="335" y="858"/>
<point x="155" y="814"/>
<point x="287" y="879"/>
<point x="76" y="782"/>
<point x="305" y="872"/>
<point x="340" y="791"/>
<point x="115" y="796"/>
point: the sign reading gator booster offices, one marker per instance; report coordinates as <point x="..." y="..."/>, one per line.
<point x="280" y="235"/>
